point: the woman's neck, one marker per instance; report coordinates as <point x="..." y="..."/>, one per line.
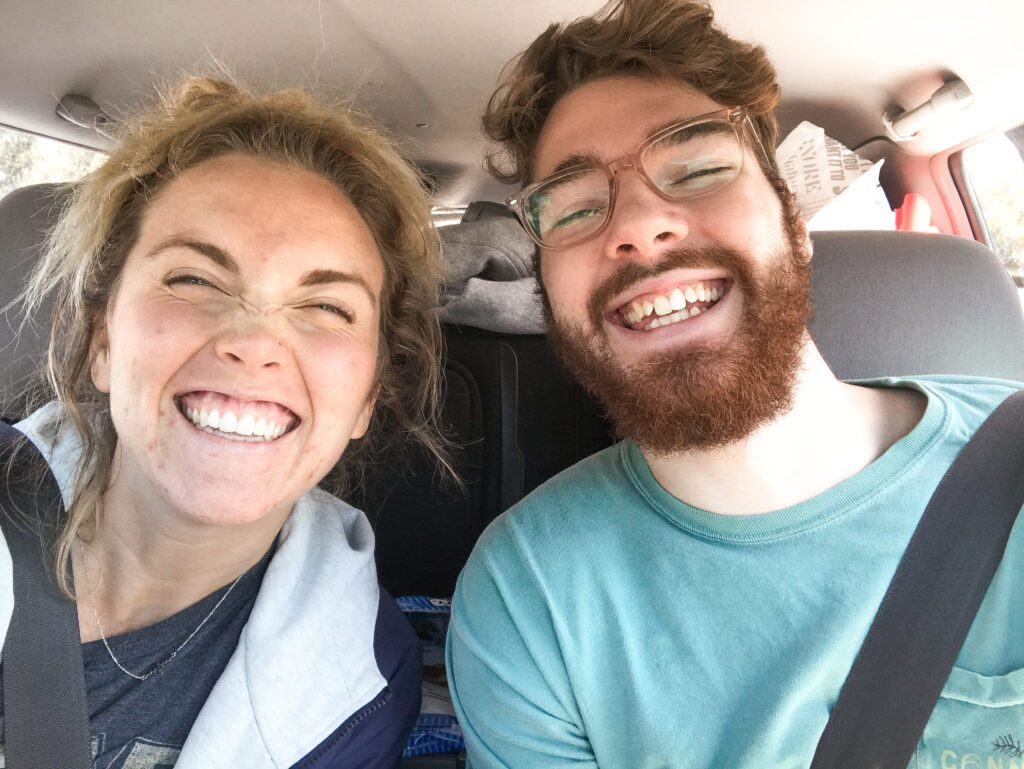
<point x="144" y="563"/>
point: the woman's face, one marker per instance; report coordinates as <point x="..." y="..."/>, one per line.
<point x="240" y="347"/>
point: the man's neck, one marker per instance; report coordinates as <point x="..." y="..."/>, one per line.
<point x="833" y="431"/>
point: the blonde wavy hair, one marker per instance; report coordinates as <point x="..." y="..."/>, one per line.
<point x="200" y="119"/>
<point x="669" y="39"/>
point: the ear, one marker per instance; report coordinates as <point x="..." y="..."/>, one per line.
<point x="99" y="358"/>
<point x="363" y="420"/>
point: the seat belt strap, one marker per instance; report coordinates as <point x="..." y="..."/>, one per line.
<point x="929" y="607"/>
<point x="45" y="715"/>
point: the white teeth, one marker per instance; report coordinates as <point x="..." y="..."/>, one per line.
<point x="679" y="302"/>
<point x="228" y="422"/>
<point x="246" y="425"/>
<point x="668" y="320"/>
<point x="676" y="299"/>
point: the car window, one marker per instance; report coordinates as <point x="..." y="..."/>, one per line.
<point x="29" y="159"/>
<point x="995" y="169"/>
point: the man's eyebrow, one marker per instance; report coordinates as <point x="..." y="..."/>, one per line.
<point x="582" y="159"/>
<point x="579" y="159"/>
<point x="217" y="255"/>
<point x="325" y="277"/>
<point x="575" y="160"/>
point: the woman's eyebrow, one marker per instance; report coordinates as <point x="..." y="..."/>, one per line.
<point x="223" y="259"/>
<point x="217" y="255"/>
<point x="324" y="277"/>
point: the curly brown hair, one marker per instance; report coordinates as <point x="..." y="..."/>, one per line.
<point x="200" y="119"/>
<point x="670" y="39"/>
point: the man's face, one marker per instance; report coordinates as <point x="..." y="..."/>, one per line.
<point x="736" y="259"/>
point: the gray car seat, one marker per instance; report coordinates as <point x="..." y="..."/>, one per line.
<point x="25" y="217"/>
<point x="887" y="304"/>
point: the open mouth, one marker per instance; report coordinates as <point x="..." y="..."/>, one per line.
<point x="236" y="419"/>
<point x="650" y="311"/>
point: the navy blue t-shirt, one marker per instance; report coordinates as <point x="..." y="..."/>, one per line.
<point x="143" y="724"/>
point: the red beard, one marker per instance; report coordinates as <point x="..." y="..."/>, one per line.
<point x="705" y="397"/>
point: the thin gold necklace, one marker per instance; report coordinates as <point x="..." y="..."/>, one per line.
<point x="159" y="666"/>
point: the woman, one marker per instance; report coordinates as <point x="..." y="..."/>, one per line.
<point x="244" y="287"/>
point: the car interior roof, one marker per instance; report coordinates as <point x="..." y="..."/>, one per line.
<point x="426" y="70"/>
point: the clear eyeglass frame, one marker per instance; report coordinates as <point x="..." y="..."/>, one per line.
<point x="520" y="202"/>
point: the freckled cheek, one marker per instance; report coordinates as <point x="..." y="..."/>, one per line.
<point x="339" y="378"/>
<point x="182" y="321"/>
<point x="349" y="359"/>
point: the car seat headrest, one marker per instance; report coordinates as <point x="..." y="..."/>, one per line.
<point x="26" y="216"/>
<point x="897" y="303"/>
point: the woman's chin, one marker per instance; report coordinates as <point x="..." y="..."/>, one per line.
<point x="218" y="509"/>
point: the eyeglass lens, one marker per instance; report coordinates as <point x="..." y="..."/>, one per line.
<point x="690" y="161"/>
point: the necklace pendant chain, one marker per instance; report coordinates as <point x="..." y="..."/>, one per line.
<point x="159" y="667"/>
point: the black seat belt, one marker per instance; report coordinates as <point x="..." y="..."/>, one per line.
<point x="45" y="717"/>
<point x="932" y="601"/>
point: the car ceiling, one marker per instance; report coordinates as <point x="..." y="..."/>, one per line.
<point x="426" y="69"/>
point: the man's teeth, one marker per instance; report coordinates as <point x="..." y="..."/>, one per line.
<point x="230" y="423"/>
<point x="678" y="305"/>
<point x="675" y="317"/>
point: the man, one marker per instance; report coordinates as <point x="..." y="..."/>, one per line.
<point x="695" y="595"/>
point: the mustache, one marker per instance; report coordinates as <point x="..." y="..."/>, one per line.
<point x="685" y="257"/>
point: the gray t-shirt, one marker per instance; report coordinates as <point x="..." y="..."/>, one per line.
<point x="143" y="724"/>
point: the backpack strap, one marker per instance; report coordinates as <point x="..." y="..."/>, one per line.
<point x="46" y="722"/>
<point x="929" y="607"/>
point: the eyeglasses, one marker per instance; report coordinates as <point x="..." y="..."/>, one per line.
<point x="685" y="160"/>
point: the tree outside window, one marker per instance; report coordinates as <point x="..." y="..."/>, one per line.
<point x="26" y="159"/>
<point x="996" y="170"/>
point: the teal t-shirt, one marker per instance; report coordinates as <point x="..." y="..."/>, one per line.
<point x="603" y="622"/>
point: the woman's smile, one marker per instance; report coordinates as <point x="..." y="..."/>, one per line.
<point x="236" y="419"/>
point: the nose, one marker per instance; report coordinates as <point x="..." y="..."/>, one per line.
<point x="643" y="224"/>
<point x="252" y="344"/>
